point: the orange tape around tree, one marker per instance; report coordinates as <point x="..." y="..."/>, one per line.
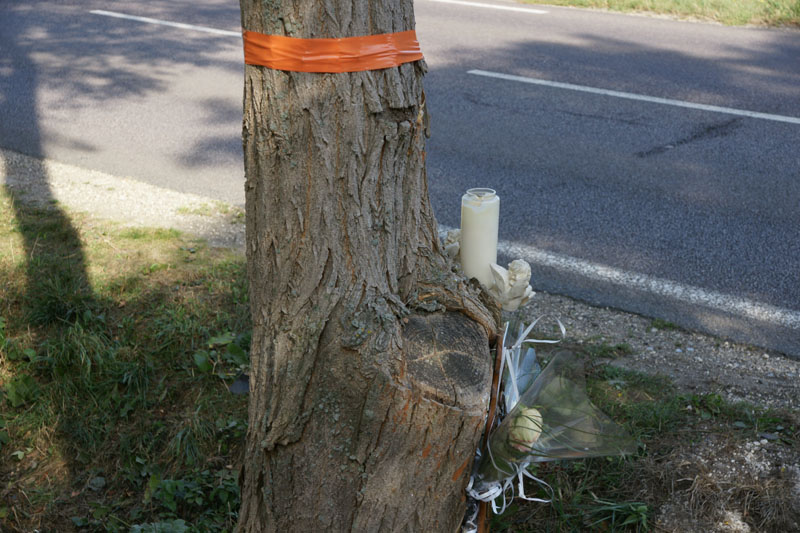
<point x="348" y="54"/>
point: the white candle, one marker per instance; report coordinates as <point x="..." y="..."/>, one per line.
<point x="480" y="217"/>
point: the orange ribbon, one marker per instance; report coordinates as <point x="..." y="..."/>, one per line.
<point x="348" y="54"/>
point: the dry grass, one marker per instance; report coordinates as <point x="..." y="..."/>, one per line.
<point x="732" y="12"/>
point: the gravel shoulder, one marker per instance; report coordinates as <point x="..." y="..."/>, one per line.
<point x="121" y="199"/>
<point x="695" y="362"/>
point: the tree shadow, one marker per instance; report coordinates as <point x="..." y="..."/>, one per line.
<point x="215" y="149"/>
<point x="45" y="48"/>
<point x="48" y="48"/>
<point x="106" y="68"/>
<point x="57" y="292"/>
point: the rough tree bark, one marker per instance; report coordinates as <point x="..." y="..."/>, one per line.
<point x="370" y="363"/>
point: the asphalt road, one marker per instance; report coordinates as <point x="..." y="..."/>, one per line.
<point x="683" y="213"/>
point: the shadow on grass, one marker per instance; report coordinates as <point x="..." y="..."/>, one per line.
<point x="47" y="385"/>
<point x="117" y="349"/>
<point x="108" y="417"/>
<point x="56" y="294"/>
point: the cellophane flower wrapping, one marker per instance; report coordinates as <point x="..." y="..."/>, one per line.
<point x="552" y="419"/>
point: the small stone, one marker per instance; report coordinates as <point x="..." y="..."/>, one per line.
<point x="766" y="356"/>
<point x="763" y="441"/>
<point x="678" y="350"/>
<point x="653" y="330"/>
<point x="689" y="349"/>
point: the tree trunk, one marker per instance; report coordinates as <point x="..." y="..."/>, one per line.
<point x="370" y="366"/>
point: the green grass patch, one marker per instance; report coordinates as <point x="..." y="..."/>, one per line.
<point x="235" y="214"/>
<point x="151" y="234"/>
<point x="107" y="421"/>
<point x="731" y="12"/>
<point x="604" y="350"/>
<point x="200" y="210"/>
<point x="664" y="325"/>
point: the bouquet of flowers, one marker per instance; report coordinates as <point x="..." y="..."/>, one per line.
<point x="548" y="416"/>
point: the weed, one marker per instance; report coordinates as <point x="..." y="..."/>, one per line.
<point x="20" y="390"/>
<point x="607" y="351"/>
<point x="150" y="234"/>
<point x="664" y="325"/>
<point x="235" y="214"/>
<point x="4" y="342"/>
<point x="200" y="210"/>
<point x="57" y="296"/>
<point x="618" y="515"/>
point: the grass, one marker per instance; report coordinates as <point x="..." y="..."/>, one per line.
<point x="624" y="493"/>
<point x="235" y="214"/>
<point x="731" y="12"/>
<point x="605" y="350"/>
<point x="664" y="325"/>
<point x="117" y="347"/>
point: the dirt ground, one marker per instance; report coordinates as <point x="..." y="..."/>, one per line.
<point x="719" y="482"/>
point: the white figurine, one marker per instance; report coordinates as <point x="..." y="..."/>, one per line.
<point x="452" y="243"/>
<point x="511" y="287"/>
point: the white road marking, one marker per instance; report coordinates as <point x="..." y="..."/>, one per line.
<point x="734" y="305"/>
<point x="661" y="287"/>
<point x="167" y="23"/>
<point x="640" y="97"/>
<point x="493" y="6"/>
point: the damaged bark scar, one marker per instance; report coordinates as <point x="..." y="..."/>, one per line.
<point x="398" y="115"/>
